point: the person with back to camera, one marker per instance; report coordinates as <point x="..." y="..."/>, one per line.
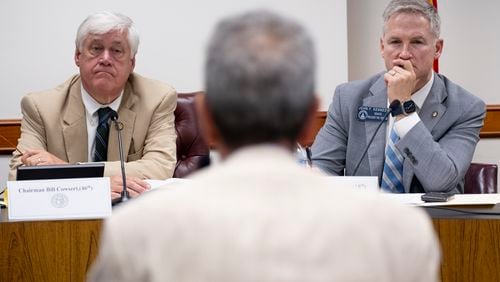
<point x="259" y="215"/>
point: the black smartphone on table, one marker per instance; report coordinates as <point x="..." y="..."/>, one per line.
<point x="437" y="197"/>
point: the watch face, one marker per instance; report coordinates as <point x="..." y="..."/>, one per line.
<point x="409" y="107"/>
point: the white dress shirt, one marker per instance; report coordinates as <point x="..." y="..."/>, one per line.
<point x="91" y="108"/>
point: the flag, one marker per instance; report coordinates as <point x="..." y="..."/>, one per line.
<point x="436" y="61"/>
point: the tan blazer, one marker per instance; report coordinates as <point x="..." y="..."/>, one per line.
<point x="258" y="216"/>
<point x="55" y="121"/>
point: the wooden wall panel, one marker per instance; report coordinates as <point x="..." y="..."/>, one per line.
<point x="10" y="129"/>
<point x="64" y="250"/>
<point x="491" y="128"/>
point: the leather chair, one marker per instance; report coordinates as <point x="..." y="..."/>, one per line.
<point x="193" y="151"/>
<point x="481" y="179"/>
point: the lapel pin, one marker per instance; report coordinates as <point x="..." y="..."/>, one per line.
<point x="434" y="114"/>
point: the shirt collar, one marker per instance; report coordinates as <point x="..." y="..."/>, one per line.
<point x="92" y="106"/>
<point x="420" y="96"/>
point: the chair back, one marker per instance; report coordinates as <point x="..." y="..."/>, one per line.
<point x="481" y="179"/>
<point x="193" y="151"/>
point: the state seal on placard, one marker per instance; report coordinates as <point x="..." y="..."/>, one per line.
<point x="59" y="200"/>
<point x="362" y="115"/>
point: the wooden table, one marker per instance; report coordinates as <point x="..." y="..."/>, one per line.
<point x="47" y="250"/>
<point x="65" y="250"/>
<point x="470" y="243"/>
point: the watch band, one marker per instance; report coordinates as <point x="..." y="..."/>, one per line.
<point x="397" y="111"/>
<point x="405" y="108"/>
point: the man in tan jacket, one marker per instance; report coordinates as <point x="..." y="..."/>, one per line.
<point x="59" y="125"/>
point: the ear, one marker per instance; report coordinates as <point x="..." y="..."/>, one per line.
<point x="309" y="129"/>
<point x="208" y="128"/>
<point x="133" y="64"/>
<point x="382" y="47"/>
<point x="439" y="48"/>
<point x="77" y="57"/>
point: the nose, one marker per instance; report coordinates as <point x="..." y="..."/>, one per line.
<point x="405" y="53"/>
<point x="105" y="58"/>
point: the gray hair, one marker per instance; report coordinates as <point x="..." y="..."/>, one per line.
<point x="422" y="7"/>
<point x="104" y="22"/>
<point x="259" y="78"/>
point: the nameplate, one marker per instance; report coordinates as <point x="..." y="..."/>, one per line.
<point x="365" y="183"/>
<point x="53" y="199"/>
<point x="367" y="113"/>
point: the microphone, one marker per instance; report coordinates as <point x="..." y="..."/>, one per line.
<point x="392" y="107"/>
<point x="309" y="156"/>
<point x="124" y="196"/>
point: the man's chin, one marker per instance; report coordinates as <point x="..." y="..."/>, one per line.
<point x="103" y="83"/>
<point x="104" y="86"/>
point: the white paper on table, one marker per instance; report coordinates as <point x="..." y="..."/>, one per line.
<point x="167" y="183"/>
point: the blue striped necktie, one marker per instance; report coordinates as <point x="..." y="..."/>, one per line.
<point x="101" y="136"/>
<point x="392" y="178"/>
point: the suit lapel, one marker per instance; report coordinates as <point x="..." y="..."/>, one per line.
<point x="75" y="125"/>
<point x="127" y="118"/>
<point x="432" y="111"/>
<point x="378" y="98"/>
<point x="433" y="108"/>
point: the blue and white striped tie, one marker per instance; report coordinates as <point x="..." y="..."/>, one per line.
<point x="392" y="178"/>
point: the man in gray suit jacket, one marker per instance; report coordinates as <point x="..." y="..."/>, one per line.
<point x="258" y="215"/>
<point x="437" y="124"/>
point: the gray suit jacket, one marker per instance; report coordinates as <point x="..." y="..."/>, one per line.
<point x="258" y="216"/>
<point x="54" y="120"/>
<point x="437" y="151"/>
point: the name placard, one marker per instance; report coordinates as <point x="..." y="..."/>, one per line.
<point x="365" y="183"/>
<point x="73" y="198"/>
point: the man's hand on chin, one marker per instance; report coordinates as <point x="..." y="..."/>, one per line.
<point x="400" y="80"/>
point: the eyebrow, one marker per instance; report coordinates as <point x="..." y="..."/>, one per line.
<point x="421" y="37"/>
<point x="113" y="42"/>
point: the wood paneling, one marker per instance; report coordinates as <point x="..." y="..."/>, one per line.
<point x="470" y="249"/>
<point x="10" y="129"/>
<point x="491" y="128"/>
<point x="65" y="250"/>
<point x="318" y="123"/>
<point x="48" y="250"/>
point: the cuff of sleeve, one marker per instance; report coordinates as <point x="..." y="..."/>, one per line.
<point x="404" y="125"/>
